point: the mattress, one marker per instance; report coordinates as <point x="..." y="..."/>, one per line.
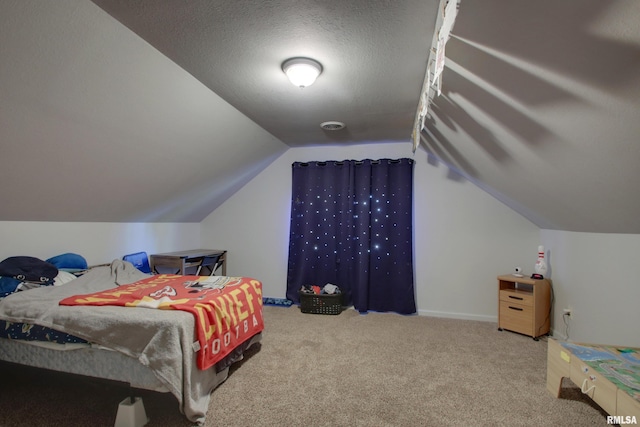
<point x="82" y="359"/>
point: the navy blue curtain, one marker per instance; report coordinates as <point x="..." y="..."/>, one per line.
<point x="352" y="226"/>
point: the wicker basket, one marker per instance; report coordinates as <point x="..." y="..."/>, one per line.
<point x="320" y="304"/>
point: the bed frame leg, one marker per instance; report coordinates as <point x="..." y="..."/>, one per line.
<point x="131" y="413"/>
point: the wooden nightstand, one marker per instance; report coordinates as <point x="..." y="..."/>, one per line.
<point x="524" y="305"/>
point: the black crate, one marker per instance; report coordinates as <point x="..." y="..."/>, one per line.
<point x="320" y="304"/>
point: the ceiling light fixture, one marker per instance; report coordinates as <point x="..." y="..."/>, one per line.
<point x="302" y="72"/>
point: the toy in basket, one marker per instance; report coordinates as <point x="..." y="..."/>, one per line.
<point x="316" y="301"/>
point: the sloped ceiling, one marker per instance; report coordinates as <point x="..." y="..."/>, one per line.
<point x="541" y="107"/>
<point x="158" y="111"/>
<point x="97" y="126"/>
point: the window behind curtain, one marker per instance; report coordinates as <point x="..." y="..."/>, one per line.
<point x="351" y="225"/>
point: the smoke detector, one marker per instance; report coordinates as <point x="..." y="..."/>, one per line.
<point x="332" y="125"/>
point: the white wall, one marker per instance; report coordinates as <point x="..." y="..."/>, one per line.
<point x="464" y="237"/>
<point x="98" y="242"/>
<point x="596" y="275"/>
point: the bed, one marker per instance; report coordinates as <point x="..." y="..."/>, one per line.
<point x="609" y="375"/>
<point x="154" y="349"/>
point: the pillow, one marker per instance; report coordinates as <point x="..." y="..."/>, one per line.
<point x="8" y="285"/>
<point x="29" y="269"/>
<point x="64" y="277"/>
<point x="69" y="261"/>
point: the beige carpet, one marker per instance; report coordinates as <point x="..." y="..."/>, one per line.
<point x="345" y="370"/>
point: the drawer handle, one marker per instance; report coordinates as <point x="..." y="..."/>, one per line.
<point x="516" y="308"/>
<point x="518" y="298"/>
<point x="584" y="383"/>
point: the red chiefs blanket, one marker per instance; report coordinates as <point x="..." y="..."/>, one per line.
<point x="228" y="310"/>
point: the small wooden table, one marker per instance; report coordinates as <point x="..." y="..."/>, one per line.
<point x="181" y="260"/>
<point x="607" y="374"/>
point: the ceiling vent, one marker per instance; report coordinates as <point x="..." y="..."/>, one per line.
<point x="332" y="125"/>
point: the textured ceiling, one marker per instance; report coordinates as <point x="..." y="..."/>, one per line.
<point x="373" y="53"/>
<point x="540" y="104"/>
<point x="540" y="101"/>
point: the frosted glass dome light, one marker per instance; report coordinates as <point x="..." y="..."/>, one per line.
<point x="302" y="72"/>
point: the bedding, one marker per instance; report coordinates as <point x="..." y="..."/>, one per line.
<point x="28" y="332"/>
<point x="69" y="262"/>
<point x="22" y="273"/>
<point x="226" y="309"/>
<point x="161" y="340"/>
<point x="29" y="269"/>
<point x="8" y="285"/>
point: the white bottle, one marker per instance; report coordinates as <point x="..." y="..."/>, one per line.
<point x="541" y="264"/>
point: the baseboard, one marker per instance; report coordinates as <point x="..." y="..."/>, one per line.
<point x="557" y="335"/>
<point x="461" y="316"/>
<point x="449" y="315"/>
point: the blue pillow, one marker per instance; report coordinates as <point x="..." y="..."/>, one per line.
<point x="8" y="285"/>
<point x="69" y="261"/>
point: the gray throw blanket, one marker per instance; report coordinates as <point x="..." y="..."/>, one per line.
<point x="159" y="339"/>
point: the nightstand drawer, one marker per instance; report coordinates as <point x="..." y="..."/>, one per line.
<point x="517" y="297"/>
<point x="516" y="317"/>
